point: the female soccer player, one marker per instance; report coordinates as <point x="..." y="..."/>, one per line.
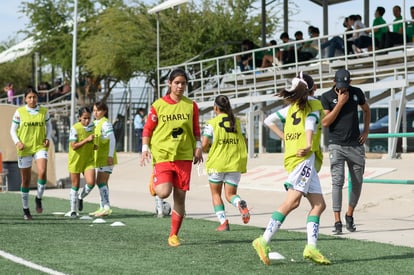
<point x="172" y="131"/>
<point x="227" y="160"/>
<point x="303" y="159"/>
<point x="81" y="157"/>
<point x="31" y="131"/>
<point x="105" y="156"/>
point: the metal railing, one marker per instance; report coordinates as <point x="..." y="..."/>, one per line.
<point x="382" y="68"/>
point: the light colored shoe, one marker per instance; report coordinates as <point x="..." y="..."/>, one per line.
<point x="95" y="212"/>
<point x="262" y="248"/>
<point x="104" y="212"/>
<point x="313" y="254"/>
<point x="174" y="241"/>
<point x="224" y="226"/>
<point x="244" y="211"/>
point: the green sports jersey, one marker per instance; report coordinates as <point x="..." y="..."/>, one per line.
<point x="295" y="138"/>
<point x="173" y="138"/>
<point x="228" y="151"/>
<point x="32" y="131"/>
<point x="82" y="158"/>
<point x="379" y="21"/>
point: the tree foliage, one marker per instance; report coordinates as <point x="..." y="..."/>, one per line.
<point x="117" y="41"/>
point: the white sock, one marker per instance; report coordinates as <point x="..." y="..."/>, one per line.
<point x="271" y="229"/>
<point x="85" y="191"/>
<point x="235" y="201"/>
<point x="25" y="200"/>
<point x="221" y="215"/>
<point x="73" y="200"/>
<point x="40" y="190"/>
<point x="159" y="203"/>
<point x="312" y="229"/>
<point x="104" y="192"/>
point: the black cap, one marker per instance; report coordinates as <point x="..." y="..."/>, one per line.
<point x="342" y="78"/>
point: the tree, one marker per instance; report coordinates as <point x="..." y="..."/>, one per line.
<point x="118" y="41"/>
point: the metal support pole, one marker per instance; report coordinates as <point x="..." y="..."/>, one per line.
<point x="73" y="83"/>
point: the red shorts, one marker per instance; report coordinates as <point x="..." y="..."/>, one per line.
<point x="177" y="172"/>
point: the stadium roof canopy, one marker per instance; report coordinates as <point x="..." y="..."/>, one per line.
<point x="21" y="49"/>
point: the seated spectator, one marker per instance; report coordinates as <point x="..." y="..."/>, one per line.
<point x="43" y="89"/>
<point x="366" y="41"/>
<point x="270" y="56"/>
<point x="299" y="37"/>
<point x="410" y="27"/>
<point x="389" y="39"/>
<point x="287" y="53"/>
<point x="337" y="42"/>
<point x="310" y="48"/>
<point x="246" y="61"/>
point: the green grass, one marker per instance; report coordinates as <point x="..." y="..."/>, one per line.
<point x="80" y="247"/>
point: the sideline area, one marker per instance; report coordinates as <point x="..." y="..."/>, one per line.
<point x="385" y="212"/>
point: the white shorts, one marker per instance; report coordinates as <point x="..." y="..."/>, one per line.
<point x="26" y="161"/>
<point x="105" y="169"/>
<point x="231" y="178"/>
<point x="304" y="178"/>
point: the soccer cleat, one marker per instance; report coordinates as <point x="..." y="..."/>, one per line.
<point x="39" y="208"/>
<point x="224" y="226"/>
<point x="73" y="215"/>
<point x="151" y="186"/>
<point x="244" y="211"/>
<point x="80" y="205"/>
<point x="337" y="228"/>
<point x="350" y="226"/>
<point x="262" y="248"/>
<point x="104" y="212"/>
<point x="313" y="254"/>
<point x="96" y="212"/>
<point x="26" y="214"/>
<point x="174" y="241"/>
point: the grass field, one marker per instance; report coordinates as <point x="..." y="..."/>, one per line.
<point x="74" y="246"/>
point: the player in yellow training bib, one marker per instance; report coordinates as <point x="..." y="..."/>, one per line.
<point x="81" y="158"/>
<point x="302" y="160"/>
<point x="227" y="160"/>
<point x="31" y="132"/>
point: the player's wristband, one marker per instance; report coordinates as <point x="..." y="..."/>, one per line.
<point x="198" y="144"/>
<point x="145" y="148"/>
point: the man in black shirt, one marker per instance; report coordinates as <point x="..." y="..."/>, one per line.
<point x="345" y="142"/>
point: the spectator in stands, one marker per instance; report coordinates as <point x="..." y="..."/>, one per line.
<point x="410" y="27"/>
<point x="337" y="42"/>
<point x="389" y="39"/>
<point x="299" y="37"/>
<point x="356" y="22"/>
<point x="248" y="61"/>
<point x="310" y="48"/>
<point x="345" y="142"/>
<point x="366" y="41"/>
<point x="287" y="55"/>
<point x="270" y="56"/>
<point x="44" y="95"/>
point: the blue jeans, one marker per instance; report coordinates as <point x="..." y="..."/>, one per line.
<point x="138" y="133"/>
<point x="333" y="44"/>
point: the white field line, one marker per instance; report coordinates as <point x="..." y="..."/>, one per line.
<point x="29" y="264"/>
